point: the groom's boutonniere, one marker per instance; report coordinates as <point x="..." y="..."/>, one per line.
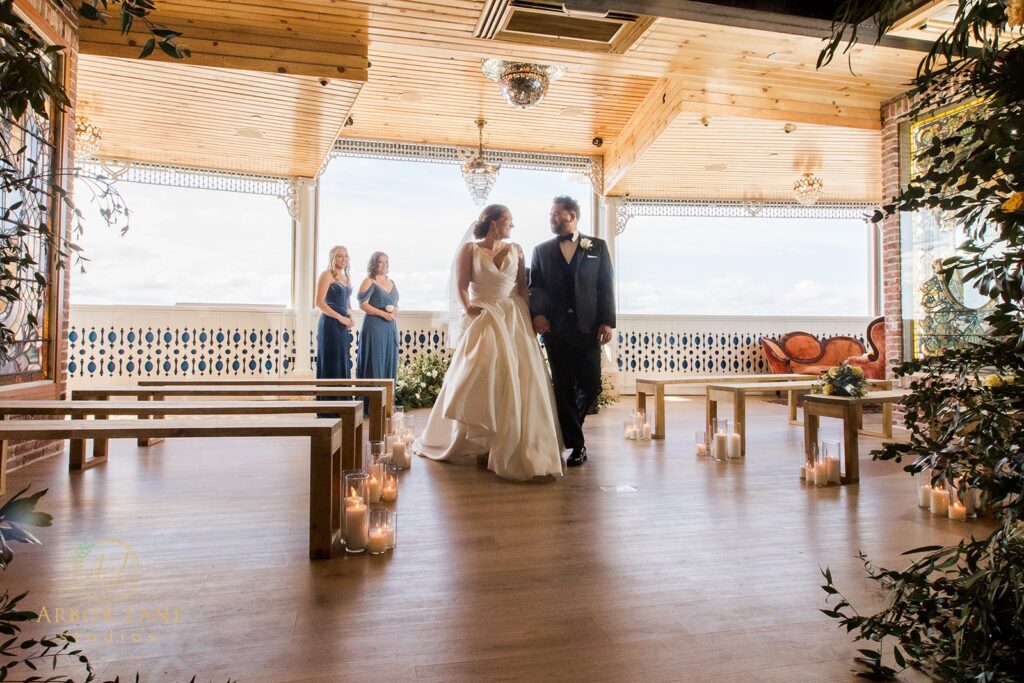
<point x="586" y="243"/>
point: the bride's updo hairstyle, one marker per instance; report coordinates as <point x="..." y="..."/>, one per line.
<point x="491" y="213"/>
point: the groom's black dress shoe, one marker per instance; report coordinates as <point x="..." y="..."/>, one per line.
<point x="577" y="457"/>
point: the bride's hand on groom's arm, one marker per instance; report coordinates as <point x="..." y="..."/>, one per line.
<point x="541" y="325"/>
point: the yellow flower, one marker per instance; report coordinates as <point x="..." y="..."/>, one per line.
<point x="992" y="381"/>
<point x="1009" y="379"/>
<point x="1016" y="200"/>
<point x="857" y="371"/>
<point x="827" y="389"/>
<point x="833" y="372"/>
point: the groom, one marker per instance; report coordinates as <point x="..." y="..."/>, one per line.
<point x="573" y="307"/>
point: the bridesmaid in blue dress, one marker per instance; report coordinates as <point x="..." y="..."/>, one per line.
<point x="378" y="341"/>
<point x="334" y="330"/>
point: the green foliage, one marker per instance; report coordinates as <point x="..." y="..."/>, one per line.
<point x="841" y="380"/>
<point x="419" y="380"/>
<point x="957" y="613"/>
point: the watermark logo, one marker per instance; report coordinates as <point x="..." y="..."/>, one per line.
<point x="107" y="570"/>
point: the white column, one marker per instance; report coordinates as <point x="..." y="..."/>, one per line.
<point x="304" y="226"/>
<point x="609" y="213"/>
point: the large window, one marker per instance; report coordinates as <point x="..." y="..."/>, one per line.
<point x="187" y="246"/>
<point x="743" y="266"/>
<point x="417" y="212"/>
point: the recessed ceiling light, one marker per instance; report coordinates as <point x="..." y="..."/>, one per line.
<point x="411" y="97"/>
<point x="570" y="112"/>
<point x="249" y="133"/>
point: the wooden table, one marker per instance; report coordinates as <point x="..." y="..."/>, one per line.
<point x="387" y="384"/>
<point x="739" y="392"/>
<point x="656" y="386"/>
<point x="325" y="437"/>
<point x="349" y="412"/>
<point x="376" y="396"/>
<point x="851" y="412"/>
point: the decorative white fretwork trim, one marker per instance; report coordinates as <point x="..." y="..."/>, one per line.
<point x="591" y="167"/>
<point x="629" y="208"/>
<point x="282" y="187"/>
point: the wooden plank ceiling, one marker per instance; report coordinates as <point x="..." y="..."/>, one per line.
<point x="425" y="85"/>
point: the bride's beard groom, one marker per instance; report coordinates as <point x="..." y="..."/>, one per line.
<point x="572" y="302"/>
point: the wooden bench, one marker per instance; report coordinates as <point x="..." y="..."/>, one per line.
<point x="376" y="396"/>
<point x="325" y="437"/>
<point x="349" y="412"/>
<point x="850" y="411"/>
<point x="739" y="392"/>
<point x="387" y="384"/>
<point x="656" y="386"/>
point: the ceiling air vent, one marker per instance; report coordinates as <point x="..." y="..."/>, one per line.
<point x="550" y="24"/>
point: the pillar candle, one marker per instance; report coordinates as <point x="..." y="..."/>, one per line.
<point x="809" y="472"/>
<point x="924" y="496"/>
<point x="702" y="449"/>
<point x="832" y="467"/>
<point x="390" y="491"/>
<point x="820" y="473"/>
<point x="391" y="536"/>
<point x="957" y="512"/>
<point x="356" y="526"/>
<point x="378" y="541"/>
<point x="398" y="454"/>
<point x="645" y="431"/>
<point x="735" y="450"/>
<point x="721" y="446"/>
<point x="940" y="501"/>
<point x="373" y="490"/>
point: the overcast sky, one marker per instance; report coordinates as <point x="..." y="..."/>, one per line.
<point x="196" y="246"/>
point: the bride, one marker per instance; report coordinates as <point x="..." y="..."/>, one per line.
<point x="496" y="399"/>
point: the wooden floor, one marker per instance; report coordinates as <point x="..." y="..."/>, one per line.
<point x="707" y="572"/>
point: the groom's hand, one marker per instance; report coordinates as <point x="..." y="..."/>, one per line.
<point x="604" y="334"/>
<point x="541" y="324"/>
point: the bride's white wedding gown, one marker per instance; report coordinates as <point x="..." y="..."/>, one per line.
<point x="497" y="397"/>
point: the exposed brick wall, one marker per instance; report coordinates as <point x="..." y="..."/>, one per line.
<point x="58" y="24"/>
<point x="892" y="277"/>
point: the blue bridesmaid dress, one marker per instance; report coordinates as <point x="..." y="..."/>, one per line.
<point x="377" y="357"/>
<point x="334" y="340"/>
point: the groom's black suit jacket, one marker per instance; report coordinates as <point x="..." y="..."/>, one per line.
<point x="585" y="285"/>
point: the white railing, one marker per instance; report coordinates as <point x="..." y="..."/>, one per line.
<point x="121" y="344"/>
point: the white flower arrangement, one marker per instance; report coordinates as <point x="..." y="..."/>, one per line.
<point x="420" y="379"/>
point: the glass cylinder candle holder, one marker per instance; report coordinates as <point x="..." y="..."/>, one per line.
<point x="409" y="429"/>
<point x="720" y="439"/>
<point x="355" y="513"/>
<point x="396" y="421"/>
<point x="643" y="427"/>
<point x="398" y="449"/>
<point x="392" y="529"/>
<point x="377" y="542"/>
<point x="375" y="481"/>
<point x="807" y="469"/>
<point x="389" y="492"/>
<point x="700" y="443"/>
<point x="820" y="469"/>
<point x="832" y="451"/>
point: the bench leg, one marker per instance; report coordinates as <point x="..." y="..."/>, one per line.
<point x="851" y="445"/>
<point x="3" y="467"/>
<point x="322" y="525"/>
<point x="150" y="442"/>
<point x="739" y="418"/>
<point x="810" y="432"/>
<point x="659" y="412"/>
<point x="886" y="420"/>
<point x="711" y="414"/>
<point x="641" y="401"/>
<point x="377" y="417"/>
<point x="79" y="459"/>
<point x="100" y="447"/>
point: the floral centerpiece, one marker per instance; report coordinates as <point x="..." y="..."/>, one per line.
<point x="420" y="379"/>
<point x="841" y="380"/>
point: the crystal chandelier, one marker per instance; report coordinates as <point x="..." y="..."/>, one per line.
<point x="522" y="84"/>
<point x="478" y="174"/>
<point x="87" y="138"/>
<point x="808" y="188"/>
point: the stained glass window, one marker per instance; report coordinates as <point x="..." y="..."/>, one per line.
<point x="31" y="149"/>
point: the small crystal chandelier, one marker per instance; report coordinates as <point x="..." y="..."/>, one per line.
<point x="478" y="174"/>
<point x="808" y="188"/>
<point x="522" y="84"/>
<point x="87" y="138"/>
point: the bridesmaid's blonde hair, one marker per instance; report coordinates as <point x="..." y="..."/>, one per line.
<point x="330" y="261"/>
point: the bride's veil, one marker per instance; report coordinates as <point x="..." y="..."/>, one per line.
<point x="454" y="316"/>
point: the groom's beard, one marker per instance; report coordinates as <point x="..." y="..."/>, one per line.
<point x="558" y="227"/>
